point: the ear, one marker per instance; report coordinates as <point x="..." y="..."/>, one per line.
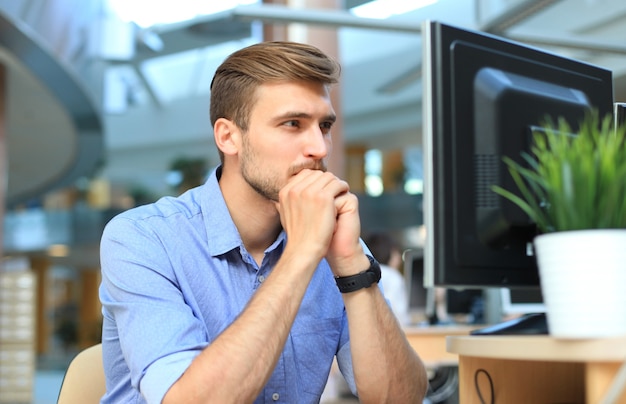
<point x="227" y="136"/>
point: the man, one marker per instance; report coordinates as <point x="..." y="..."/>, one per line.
<point x="227" y="294"/>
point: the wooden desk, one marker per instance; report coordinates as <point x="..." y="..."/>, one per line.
<point x="430" y="343"/>
<point x="537" y="369"/>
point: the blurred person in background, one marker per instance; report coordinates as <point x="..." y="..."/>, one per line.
<point x="388" y="253"/>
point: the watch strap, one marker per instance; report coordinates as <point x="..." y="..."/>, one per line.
<point x="363" y="279"/>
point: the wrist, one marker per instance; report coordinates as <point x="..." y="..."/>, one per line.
<point x="347" y="266"/>
<point x="364" y="279"/>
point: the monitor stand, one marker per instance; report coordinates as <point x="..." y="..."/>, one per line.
<point x="527" y="324"/>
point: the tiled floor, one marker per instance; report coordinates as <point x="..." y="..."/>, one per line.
<point x="47" y="386"/>
<point x="49" y="375"/>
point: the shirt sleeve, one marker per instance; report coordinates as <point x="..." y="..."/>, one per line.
<point x="344" y="357"/>
<point x="158" y="334"/>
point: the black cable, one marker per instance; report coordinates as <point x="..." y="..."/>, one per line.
<point x="480" y="395"/>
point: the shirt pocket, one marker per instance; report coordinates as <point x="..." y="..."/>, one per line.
<point x="315" y="342"/>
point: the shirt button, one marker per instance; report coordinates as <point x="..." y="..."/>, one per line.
<point x="261" y="278"/>
<point x="275" y="396"/>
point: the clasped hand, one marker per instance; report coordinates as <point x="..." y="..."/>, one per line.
<point x="321" y="218"/>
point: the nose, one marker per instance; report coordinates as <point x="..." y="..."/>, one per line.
<point x="318" y="143"/>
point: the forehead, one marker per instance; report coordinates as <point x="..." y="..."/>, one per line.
<point x="292" y="95"/>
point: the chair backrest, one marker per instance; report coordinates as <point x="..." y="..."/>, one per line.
<point x="84" y="381"/>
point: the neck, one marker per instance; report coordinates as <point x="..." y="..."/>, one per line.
<point x="255" y="217"/>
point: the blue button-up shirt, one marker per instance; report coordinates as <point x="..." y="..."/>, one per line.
<point x="175" y="274"/>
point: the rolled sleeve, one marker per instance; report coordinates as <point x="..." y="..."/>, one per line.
<point x="162" y="374"/>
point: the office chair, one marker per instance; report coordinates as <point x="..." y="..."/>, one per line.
<point x="84" y="381"/>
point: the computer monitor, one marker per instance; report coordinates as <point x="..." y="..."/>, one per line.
<point x="465" y="306"/>
<point x="421" y="299"/>
<point x="458" y="306"/>
<point x="518" y="302"/>
<point x="483" y="95"/>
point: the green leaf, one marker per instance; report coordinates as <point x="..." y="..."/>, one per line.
<point x="572" y="179"/>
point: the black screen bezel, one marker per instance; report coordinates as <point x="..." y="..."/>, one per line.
<point x="454" y="255"/>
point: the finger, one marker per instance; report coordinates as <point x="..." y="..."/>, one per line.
<point x="346" y="202"/>
<point x="314" y="182"/>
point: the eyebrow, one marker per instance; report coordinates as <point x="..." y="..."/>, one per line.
<point x="290" y="115"/>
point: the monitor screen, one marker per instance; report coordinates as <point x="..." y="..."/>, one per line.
<point x="421" y="299"/>
<point x="483" y="95"/>
<point x="465" y="301"/>
<point x="517" y="302"/>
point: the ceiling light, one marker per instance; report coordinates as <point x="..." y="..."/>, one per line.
<point x="147" y="13"/>
<point x="382" y="9"/>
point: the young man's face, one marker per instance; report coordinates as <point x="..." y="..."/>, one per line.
<point x="289" y="129"/>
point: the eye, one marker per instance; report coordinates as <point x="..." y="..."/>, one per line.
<point x="326" y="126"/>
<point x="292" y="123"/>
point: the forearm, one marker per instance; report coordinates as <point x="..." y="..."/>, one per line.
<point x="237" y="364"/>
<point x="386" y="368"/>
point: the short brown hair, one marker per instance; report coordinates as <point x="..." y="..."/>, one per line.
<point x="237" y="78"/>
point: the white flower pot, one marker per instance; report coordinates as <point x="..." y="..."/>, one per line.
<point x="583" y="282"/>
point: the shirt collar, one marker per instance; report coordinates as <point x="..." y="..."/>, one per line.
<point x="222" y="234"/>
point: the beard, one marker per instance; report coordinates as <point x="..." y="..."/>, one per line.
<point x="263" y="178"/>
<point x="266" y="187"/>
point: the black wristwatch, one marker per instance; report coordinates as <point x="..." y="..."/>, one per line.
<point x="363" y="279"/>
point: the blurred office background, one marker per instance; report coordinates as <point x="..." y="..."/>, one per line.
<point x="104" y="106"/>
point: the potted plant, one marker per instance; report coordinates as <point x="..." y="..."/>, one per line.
<point x="572" y="184"/>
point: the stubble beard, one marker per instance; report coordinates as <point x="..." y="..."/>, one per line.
<point x="268" y="186"/>
<point x="265" y="186"/>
